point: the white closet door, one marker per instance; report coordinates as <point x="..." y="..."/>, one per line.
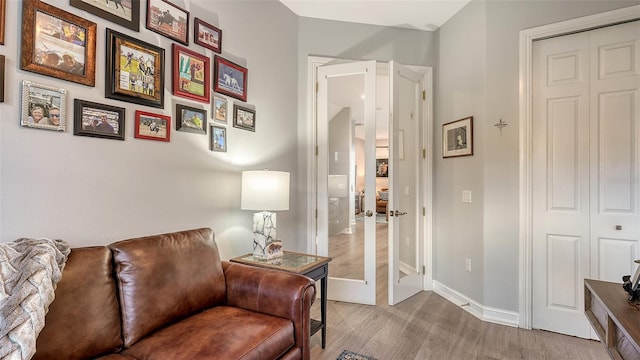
<point x="585" y="169"/>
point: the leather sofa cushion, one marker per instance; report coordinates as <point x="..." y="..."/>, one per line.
<point x="164" y="278"/>
<point x="83" y="321"/>
<point x="221" y="333"/>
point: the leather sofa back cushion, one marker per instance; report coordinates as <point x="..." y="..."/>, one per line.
<point x="83" y="321"/>
<point x="165" y="278"/>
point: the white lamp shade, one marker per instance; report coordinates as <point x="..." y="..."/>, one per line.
<point x="265" y="190"/>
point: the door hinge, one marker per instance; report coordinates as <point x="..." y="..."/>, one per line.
<point x="317" y="150"/>
<point x="424" y="95"/>
<point x="424" y="211"/>
<point x="317" y="86"/>
<point x="316" y="213"/>
<point x="424" y="153"/>
<point x="424" y="270"/>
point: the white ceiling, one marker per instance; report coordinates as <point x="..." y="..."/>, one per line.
<point x="426" y="15"/>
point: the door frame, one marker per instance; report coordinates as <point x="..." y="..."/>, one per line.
<point x="527" y="37"/>
<point x="313" y="62"/>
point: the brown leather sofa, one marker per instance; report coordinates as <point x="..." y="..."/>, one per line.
<point x="170" y="296"/>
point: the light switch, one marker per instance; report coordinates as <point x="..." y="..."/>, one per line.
<point x="466" y="196"/>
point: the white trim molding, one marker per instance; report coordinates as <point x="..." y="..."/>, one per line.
<point x="484" y="313"/>
<point x="527" y="37"/>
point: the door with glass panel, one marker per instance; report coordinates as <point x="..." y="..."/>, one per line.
<point x="406" y="181"/>
<point x="346" y="221"/>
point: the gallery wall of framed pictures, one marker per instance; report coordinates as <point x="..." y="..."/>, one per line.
<point x="60" y="46"/>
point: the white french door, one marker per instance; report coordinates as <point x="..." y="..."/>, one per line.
<point x="406" y="179"/>
<point x="351" y="278"/>
<point x="585" y="187"/>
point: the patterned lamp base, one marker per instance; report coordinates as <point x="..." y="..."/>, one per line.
<point x="265" y="245"/>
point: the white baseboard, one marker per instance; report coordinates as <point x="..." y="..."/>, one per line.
<point x="484" y="313"/>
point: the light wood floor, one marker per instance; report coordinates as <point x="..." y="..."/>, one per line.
<point x="426" y="326"/>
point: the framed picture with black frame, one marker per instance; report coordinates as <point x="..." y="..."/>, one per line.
<point x="244" y="118"/>
<point x="125" y="13"/>
<point x="134" y="70"/>
<point x="191" y="119"/>
<point x="168" y="19"/>
<point x="98" y="120"/>
<point x="457" y="138"/>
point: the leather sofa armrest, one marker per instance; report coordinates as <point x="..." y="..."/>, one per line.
<point x="273" y="292"/>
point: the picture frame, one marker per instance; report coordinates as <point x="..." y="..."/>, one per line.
<point x="135" y="70"/>
<point x="191" y="119"/>
<point x="457" y="138"/>
<point x="64" y="47"/>
<point x="191" y="74"/>
<point x="244" y="118"/>
<point x="98" y="120"/>
<point x="43" y="107"/>
<point x="152" y="126"/>
<point x="3" y="16"/>
<point x="125" y="13"/>
<point x="382" y="167"/>
<point x="218" y="139"/>
<point x="207" y="35"/>
<point x="161" y="18"/>
<point x="230" y="78"/>
<point x="219" y="109"/>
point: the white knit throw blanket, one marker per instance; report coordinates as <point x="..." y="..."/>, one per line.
<point x="29" y="272"/>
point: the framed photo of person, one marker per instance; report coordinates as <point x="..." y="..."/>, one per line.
<point x="191" y="119"/>
<point x="207" y="35"/>
<point x="218" y="139"/>
<point x="220" y="109"/>
<point x="190" y="74"/>
<point x="229" y="78"/>
<point x="167" y="19"/>
<point x="57" y="43"/>
<point x="457" y="138"/>
<point x="152" y="126"/>
<point x="98" y="120"/>
<point x="135" y="70"/>
<point x="43" y="107"/>
<point x="122" y="12"/>
<point x="244" y="118"/>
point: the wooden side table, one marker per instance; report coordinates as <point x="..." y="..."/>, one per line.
<point x="315" y="267"/>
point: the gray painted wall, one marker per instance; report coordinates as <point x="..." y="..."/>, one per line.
<point x="94" y="191"/>
<point x="478" y="75"/>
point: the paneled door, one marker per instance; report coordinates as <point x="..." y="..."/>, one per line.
<point x="586" y="125"/>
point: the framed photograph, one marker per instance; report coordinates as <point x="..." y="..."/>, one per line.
<point x="57" y="43"/>
<point x="207" y="35"/>
<point x="229" y="79"/>
<point x="220" y="109"/>
<point x="152" y="126"/>
<point x="382" y="167"/>
<point x="244" y="118"/>
<point x="43" y="107"/>
<point x="98" y="120"/>
<point x="218" y="138"/>
<point x="168" y="20"/>
<point x="191" y="119"/>
<point x="190" y="74"/>
<point x="122" y="12"/>
<point x="457" y="138"/>
<point x="135" y="70"/>
<point x="3" y="15"/>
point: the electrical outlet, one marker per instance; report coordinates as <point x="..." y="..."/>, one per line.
<point x="467" y="264"/>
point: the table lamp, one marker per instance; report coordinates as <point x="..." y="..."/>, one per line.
<point x="265" y="191"/>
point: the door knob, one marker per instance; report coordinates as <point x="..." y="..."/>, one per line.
<point x="398" y="213"/>
<point x="369" y="213"/>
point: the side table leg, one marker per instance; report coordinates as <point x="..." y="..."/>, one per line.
<point x="323" y="309"/>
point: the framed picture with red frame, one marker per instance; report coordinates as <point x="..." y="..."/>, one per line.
<point x="190" y="74"/>
<point x="152" y="126"/>
<point x="229" y="78"/>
